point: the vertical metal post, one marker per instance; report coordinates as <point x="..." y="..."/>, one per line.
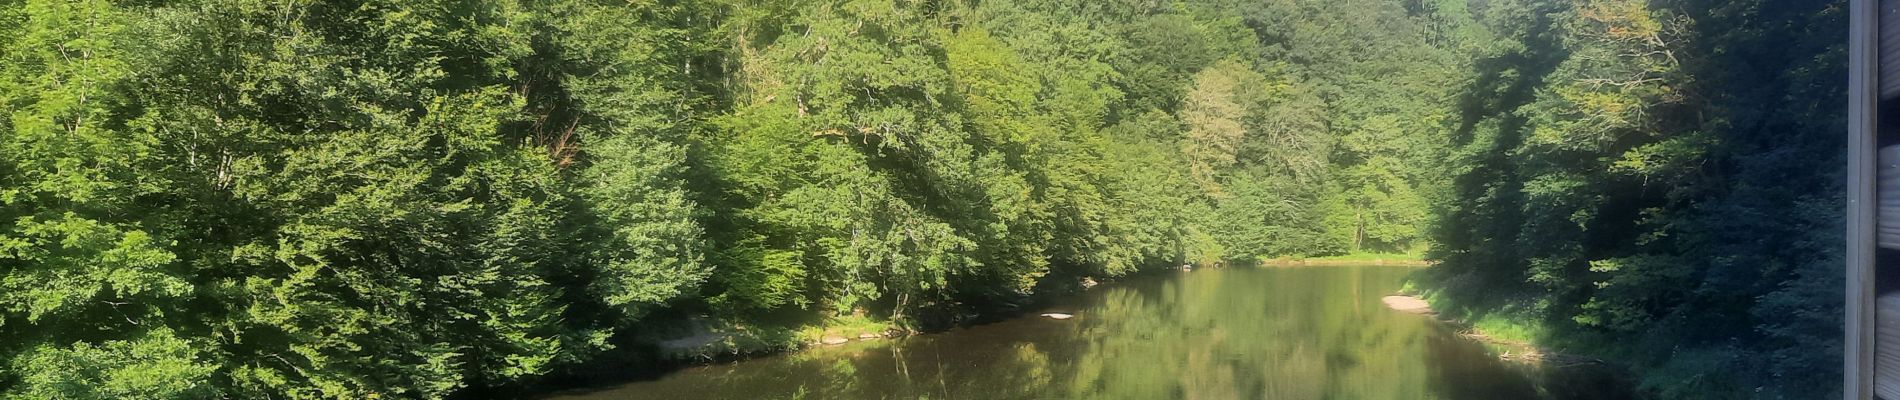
<point x="1861" y="129"/>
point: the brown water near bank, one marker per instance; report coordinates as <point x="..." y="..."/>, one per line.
<point x="1300" y="333"/>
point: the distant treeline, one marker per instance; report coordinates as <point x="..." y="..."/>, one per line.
<point x="364" y="199"/>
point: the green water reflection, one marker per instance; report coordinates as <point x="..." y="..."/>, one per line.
<point x="1293" y="333"/>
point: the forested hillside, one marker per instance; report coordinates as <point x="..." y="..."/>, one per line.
<point x="364" y="199"/>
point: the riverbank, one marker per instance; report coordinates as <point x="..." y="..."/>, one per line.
<point x="712" y="341"/>
<point x="725" y="341"/>
<point x="1512" y="340"/>
<point x="1127" y="339"/>
<point x="1415" y="260"/>
<point x="707" y="340"/>
<point x="1515" y="340"/>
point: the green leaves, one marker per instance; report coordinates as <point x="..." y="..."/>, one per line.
<point x="1224" y="98"/>
<point x="1627" y="177"/>
<point x="75" y="264"/>
<point x="156" y="365"/>
<point x="325" y="201"/>
<point x="653" y="252"/>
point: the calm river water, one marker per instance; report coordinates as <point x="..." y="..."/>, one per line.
<point x="1237" y="333"/>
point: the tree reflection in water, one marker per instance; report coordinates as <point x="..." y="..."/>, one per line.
<point x="1287" y="333"/>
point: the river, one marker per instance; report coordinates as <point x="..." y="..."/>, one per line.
<point x="1253" y="333"/>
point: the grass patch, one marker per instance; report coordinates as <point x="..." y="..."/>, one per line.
<point x="1372" y="257"/>
<point x="849" y="327"/>
<point x="1351" y="259"/>
<point x="1503" y="326"/>
<point x="1509" y="329"/>
<point x="709" y="340"/>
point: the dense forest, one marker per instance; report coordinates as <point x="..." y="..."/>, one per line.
<point x="419" y="199"/>
<point x="1662" y="185"/>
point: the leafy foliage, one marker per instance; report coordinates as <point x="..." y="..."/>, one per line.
<point x="420" y="198"/>
<point x="1659" y="181"/>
